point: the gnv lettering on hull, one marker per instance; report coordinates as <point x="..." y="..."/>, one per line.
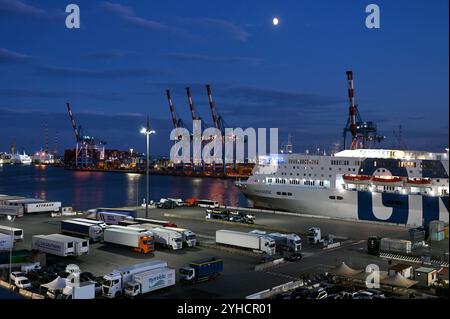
<point x="397" y="202"/>
<point x="395" y="207"/>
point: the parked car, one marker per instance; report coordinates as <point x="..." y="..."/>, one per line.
<point x="363" y="294"/>
<point x="377" y="294"/>
<point x="319" y="293"/>
<point x="22" y="282"/>
<point x="16" y="274"/>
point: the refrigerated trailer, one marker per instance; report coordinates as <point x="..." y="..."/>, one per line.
<point x="256" y="242"/>
<point x="112" y="218"/>
<point x="81" y="229"/>
<point x="81" y="245"/>
<point x="100" y="223"/>
<point x="52" y="245"/>
<point x="150" y="280"/>
<point x="115" y="282"/>
<point x="16" y="233"/>
<point x="31" y="205"/>
<point x="140" y="240"/>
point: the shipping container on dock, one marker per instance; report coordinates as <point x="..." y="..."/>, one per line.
<point x="395" y="245"/>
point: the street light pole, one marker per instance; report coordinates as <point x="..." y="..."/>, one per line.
<point x="11" y="219"/>
<point x="147" y="131"/>
<point x="147" y="173"/>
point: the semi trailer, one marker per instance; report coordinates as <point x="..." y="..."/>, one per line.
<point x="52" y="245"/>
<point x="165" y="237"/>
<point x="163" y="223"/>
<point x="6" y="242"/>
<point x="256" y="242"/>
<point x="82" y="229"/>
<point x="81" y="245"/>
<point x="150" y="280"/>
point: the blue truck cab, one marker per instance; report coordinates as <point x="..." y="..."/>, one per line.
<point x="201" y="270"/>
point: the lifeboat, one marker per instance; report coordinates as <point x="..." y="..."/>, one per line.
<point x="356" y="179"/>
<point x="387" y="180"/>
<point x="417" y="182"/>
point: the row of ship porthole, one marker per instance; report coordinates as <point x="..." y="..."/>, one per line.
<point x="284" y="194"/>
<point x="336" y="197"/>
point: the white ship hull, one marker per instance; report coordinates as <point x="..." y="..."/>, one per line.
<point x="354" y="205"/>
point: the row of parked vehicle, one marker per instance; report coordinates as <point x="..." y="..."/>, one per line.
<point x="326" y="290"/>
<point x="230" y="215"/>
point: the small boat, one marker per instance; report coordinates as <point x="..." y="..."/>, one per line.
<point x="356" y="179"/>
<point x="418" y="182"/>
<point x="387" y="180"/>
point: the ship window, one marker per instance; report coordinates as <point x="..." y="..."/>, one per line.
<point x="398" y="203"/>
<point x="339" y="198"/>
<point x="289" y="194"/>
<point x="332" y="197"/>
<point x="283" y="193"/>
<point x="278" y="193"/>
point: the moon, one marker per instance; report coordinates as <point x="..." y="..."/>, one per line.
<point x="275" y="21"/>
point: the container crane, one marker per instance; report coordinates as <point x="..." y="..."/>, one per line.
<point x="86" y="145"/>
<point x="364" y="133"/>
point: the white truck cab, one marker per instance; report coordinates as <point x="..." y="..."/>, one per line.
<point x="314" y="235"/>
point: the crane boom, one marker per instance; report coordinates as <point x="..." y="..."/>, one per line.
<point x="74" y="124"/>
<point x="212" y="106"/>
<point x="191" y="103"/>
<point x="172" y="110"/>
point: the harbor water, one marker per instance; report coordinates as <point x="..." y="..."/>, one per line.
<point x="85" y="190"/>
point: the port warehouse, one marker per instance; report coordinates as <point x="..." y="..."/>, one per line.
<point x="186" y="259"/>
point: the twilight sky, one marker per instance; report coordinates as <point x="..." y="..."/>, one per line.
<point x="116" y="67"/>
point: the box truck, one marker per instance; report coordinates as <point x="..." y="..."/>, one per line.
<point x="85" y="230"/>
<point x="6" y="242"/>
<point x="150" y="280"/>
<point x="165" y="237"/>
<point x="115" y="282"/>
<point x="201" y="270"/>
<point x="188" y="237"/>
<point x="256" y="242"/>
<point x="141" y="241"/>
<point x="52" y="245"/>
<point x="81" y="245"/>
<point x="16" y="233"/>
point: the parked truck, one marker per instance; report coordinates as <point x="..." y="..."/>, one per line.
<point x="52" y="245"/>
<point x="150" y="280"/>
<point x="393" y="245"/>
<point x="283" y="242"/>
<point x="256" y="242"/>
<point x="130" y="212"/>
<point x="16" y="233"/>
<point x="165" y="237"/>
<point x="315" y="236"/>
<point x="115" y="282"/>
<point x="111" y="218"/>
<point x="188" y="237"/>
<point x="201" y="270"/>
<point x="82" y="229"/>
<point x="6" y="242"/>
<point x="32" y="205"/>
<point x="140" y="240"/>
<point x="11" y="210"/>
<point x="81" y="245"/>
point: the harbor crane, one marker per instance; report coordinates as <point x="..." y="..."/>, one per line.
<point x="86" y="146"/>
<point x="364" y="133"/>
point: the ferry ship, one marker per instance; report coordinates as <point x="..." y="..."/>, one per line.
<point x="359" y="184"/>
<point x="377" y="185"/>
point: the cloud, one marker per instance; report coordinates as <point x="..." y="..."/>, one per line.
<point x="227" y="27"/>
<point x="182" y="57"/>
<point x="106" y="55"/>
<point x="20" y="7"/>
<point x="128" y="15"/>
<point x="8" y="56"/>
<point x="54" y="71"/>
<point x="27" y="93"/>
